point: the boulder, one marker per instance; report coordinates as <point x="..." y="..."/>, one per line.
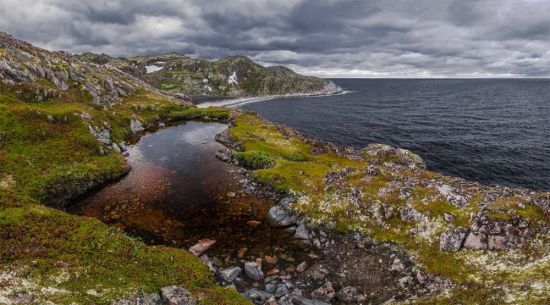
<point x="452" y="239"/>
<point x="177" y="295"/>
<point x="279" y="217"/>
<point x="476" y="241"/>
<point x="253" y="270"/>
<point x="230" y="274"/>
<point x="301" y="232"/>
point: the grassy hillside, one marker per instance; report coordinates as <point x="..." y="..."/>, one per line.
<point x="62" y="124"/>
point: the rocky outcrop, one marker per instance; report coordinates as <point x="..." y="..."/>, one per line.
<point x="452" y="239"/>
<point x="22" y="63"/>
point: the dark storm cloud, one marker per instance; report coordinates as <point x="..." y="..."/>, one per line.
<point x="358" y="38"/>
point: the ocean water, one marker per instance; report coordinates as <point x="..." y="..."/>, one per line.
<point x="495" y="131"/>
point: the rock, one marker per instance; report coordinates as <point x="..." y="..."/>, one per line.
<point x="103" y="135"/>
<point x="202" y="246"/>
<point x="300" y="300"/>
<point x="257" y="295"/>
<point x="281" y="290"/>
<point x="224" y="154"/>
<point x="301" y="267"/>
<point x="452" y="239"/>
<point x="449" y="194"/>
<point x="273" y="272"/>
<point x="324" y="293"/>
<point x="409" y="214"/>
<point x="242" y="252"/>
<point x="476" y="241"/>
<point x="177" y="295"/>
<point x="271" y="301"/>
<point x="301" y="232"/>
<point x="116" y="148"/>
<point x="497" y="242"/>
<point x="253" y="270"/>
<point x="397" y="265"/>
<point x="349" y="295"/>
<point x="230" y="274"/>
<point x="405" y="281"/>
<point x="448" y="217"/>
<point x="141" y="299"/>
<point x="208" y="262"/>
<point x="279" y="217"/>
<point x="135" y="126"/>
<point x="253" y="223"/>
<point x="231" y="194"/>
<point x="270" y="260"/>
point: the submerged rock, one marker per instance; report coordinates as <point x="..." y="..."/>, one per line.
<point x="202" y="246"/>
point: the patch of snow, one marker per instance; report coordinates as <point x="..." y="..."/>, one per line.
<point x="205" y="80"/>
<point x="208" y="88"/>
<point x="232" y="79"/>
<point x="153" y="68"/>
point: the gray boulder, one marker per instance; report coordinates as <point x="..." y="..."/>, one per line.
<point x="253" y="270"/>
<point x="177" y="295"/>
<point x="279" y="217"/>
<point x="452" y="239"/>
<point x="230" y="274"/>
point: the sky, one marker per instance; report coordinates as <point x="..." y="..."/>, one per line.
<point x="326" y="38"/>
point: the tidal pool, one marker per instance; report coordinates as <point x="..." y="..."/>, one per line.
<point x="178" y="192"/>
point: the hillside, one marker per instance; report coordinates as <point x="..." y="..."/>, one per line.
<point x="231" y="76"/>
<point x="63" y="124"/>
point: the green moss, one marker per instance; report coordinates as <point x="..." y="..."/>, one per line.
<point x="199" y="113"/>
<point x="93" y="256"/>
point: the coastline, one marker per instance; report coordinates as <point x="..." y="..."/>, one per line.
<point x="329" y="90"/>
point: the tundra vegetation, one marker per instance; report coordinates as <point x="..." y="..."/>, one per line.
<point x="63" y="124"/>
<point x="388" y="195"/>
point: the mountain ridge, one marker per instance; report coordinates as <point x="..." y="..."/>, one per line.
<point x="232" y="76"/>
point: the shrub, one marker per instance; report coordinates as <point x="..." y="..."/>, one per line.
<point x="254" y="159"/>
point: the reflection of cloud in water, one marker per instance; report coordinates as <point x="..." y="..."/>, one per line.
<point x="135" y="155"/>
<point x="201" y="133"/>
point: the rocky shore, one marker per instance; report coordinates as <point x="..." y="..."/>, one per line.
<point x="329" y="89"/>
<point x="353" y="266"/>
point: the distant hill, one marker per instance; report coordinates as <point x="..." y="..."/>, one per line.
<point x="231" y="76"/>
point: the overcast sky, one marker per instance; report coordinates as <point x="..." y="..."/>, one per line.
<point x="328" y="38"/>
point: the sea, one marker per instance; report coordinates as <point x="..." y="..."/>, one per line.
<point x="494" y="131"/>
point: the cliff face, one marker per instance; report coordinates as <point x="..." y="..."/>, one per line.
<point x="231" y="76"/>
